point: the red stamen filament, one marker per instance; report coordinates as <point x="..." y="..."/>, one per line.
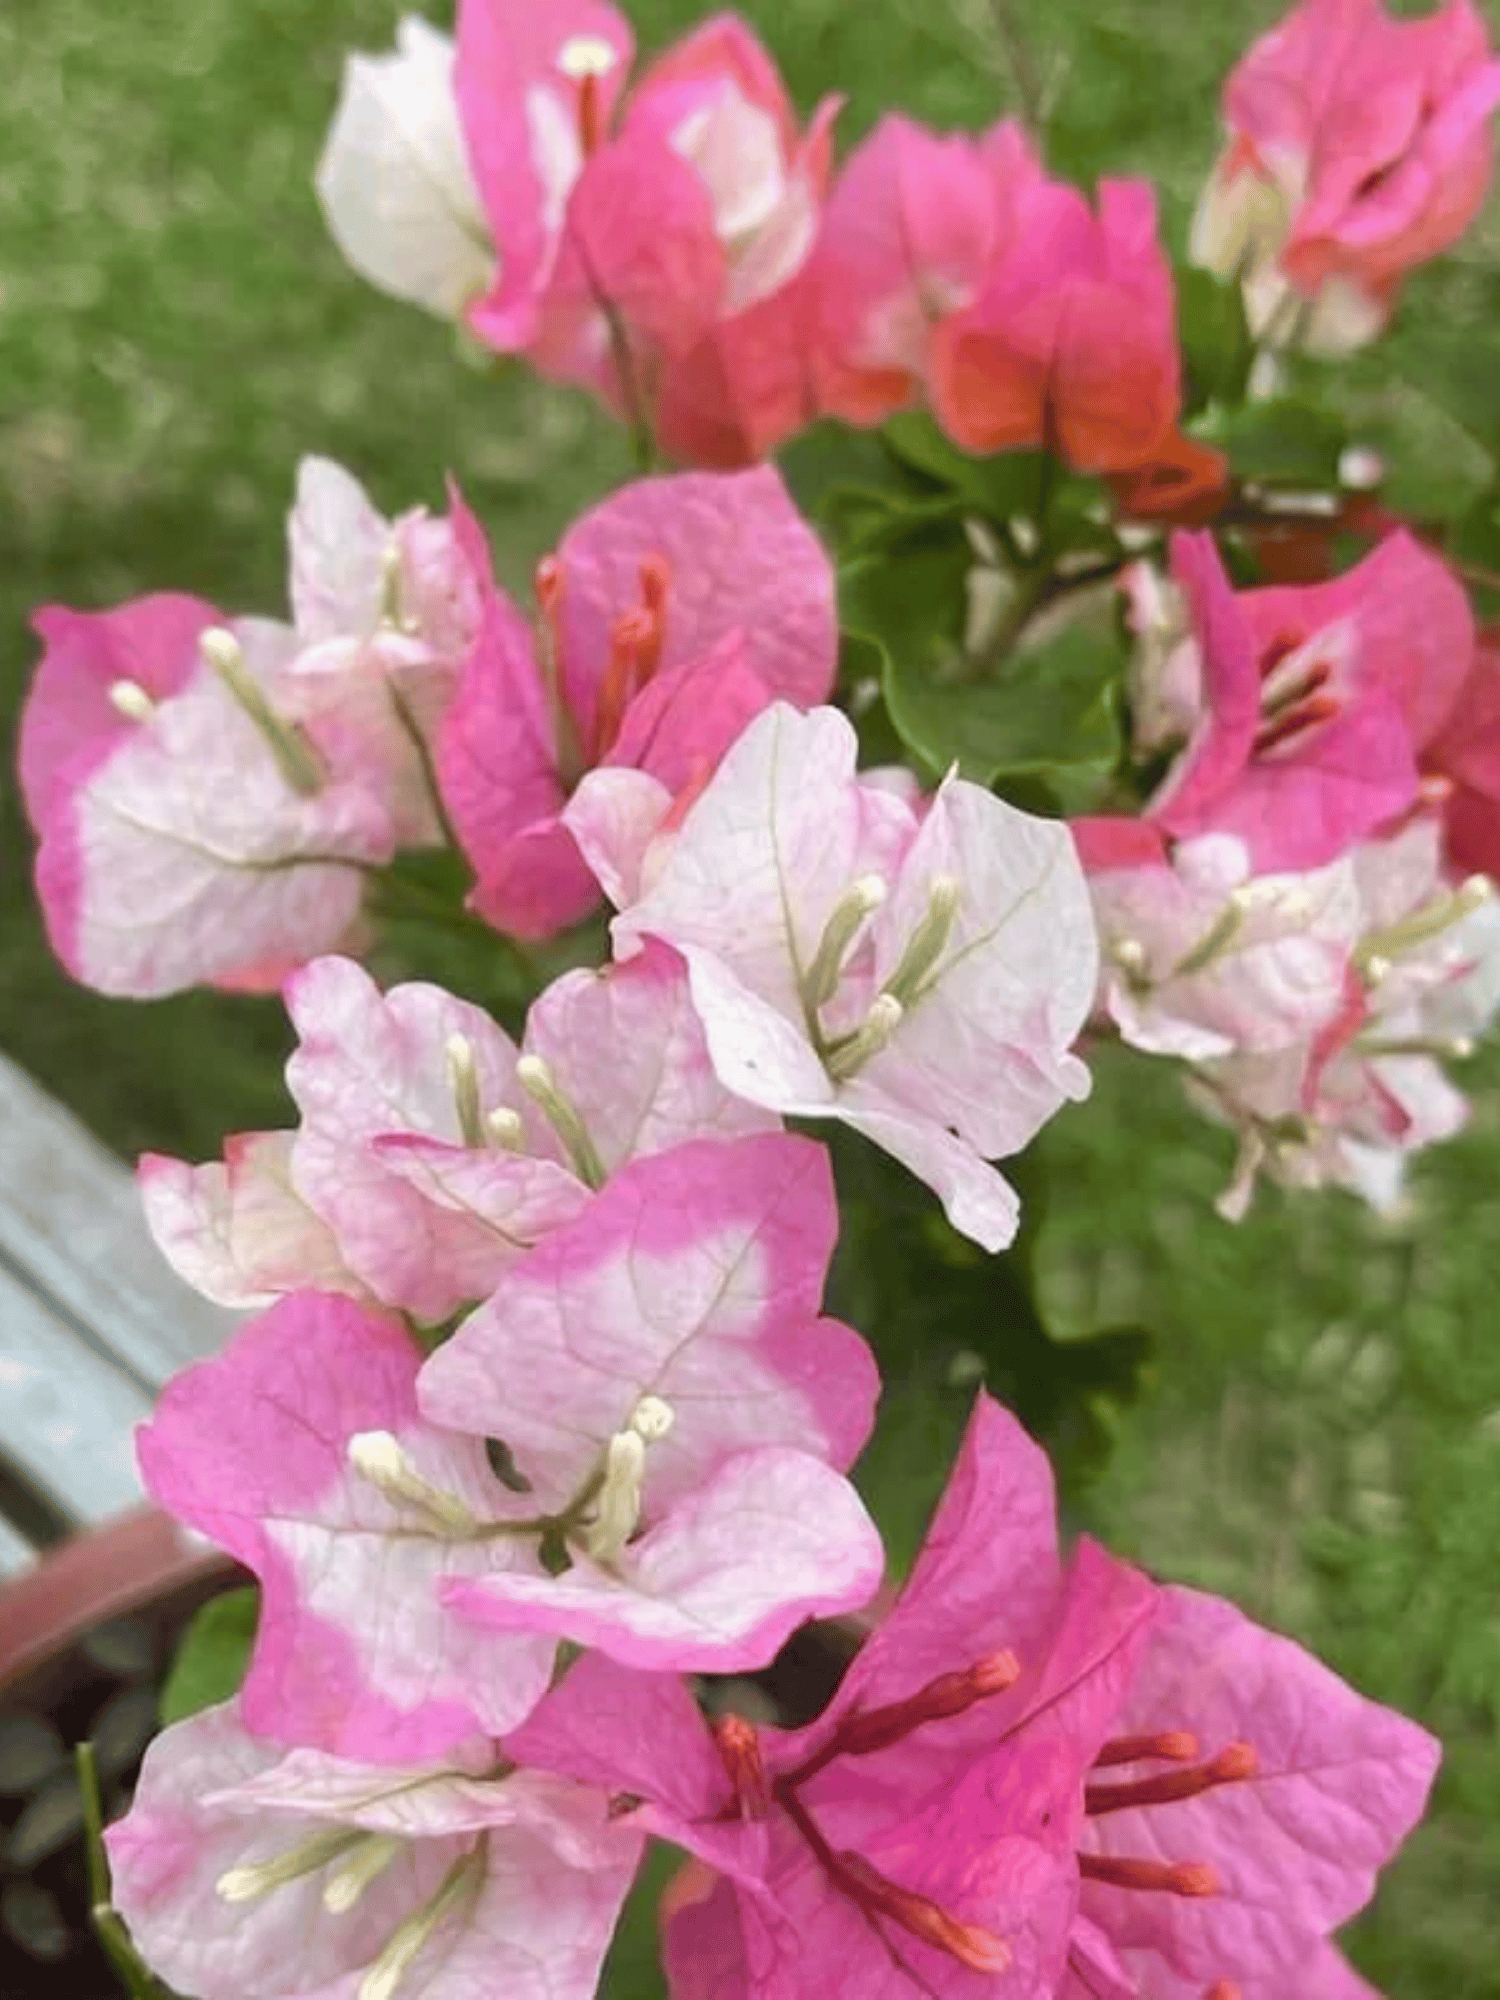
<point x="548" y="584"/>
<point x="1222" y="1989"/>
<point x="590" y="116"/>
<point x="1177" y="1746"/>
<point x="1280" y="649"/>
<point x="624" y="677"/>
<point x="738" y="1744"/>
<point x="656" y="585"/>
<point x="1321" y="708"/>
<point x="949" y="1695"/>
<point x="1232" y="1764"/>
<point x="1176" y="1878"/>
<point x="970" y="1944"/>
<point x="636" y="643"/>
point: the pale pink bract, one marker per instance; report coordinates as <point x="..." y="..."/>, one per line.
<point x="246" y="1872"/>
<point x="1359" y="147"/>
<point x="953" y="958"/>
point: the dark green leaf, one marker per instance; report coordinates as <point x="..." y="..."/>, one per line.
<point x="1443" y="341"/>
<point x="1474" y="541"/>
<point x="1000" y="486"/>
<point x="213" y="1655"/>
<point x="830" y="455"/>
<point x="1216" y="343"/>
<point x="1048" y="709"/>
<point x="633" y="1969"/>
<point x="944" y="1318"/>
<point x="1282" y="442"/>
<point x="1435" y="466"/>
<point x="862" y="682"/>
<point x="912" y="598"/>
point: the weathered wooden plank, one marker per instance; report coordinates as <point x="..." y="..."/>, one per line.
<point x="71" y="1226"/>
<point x="67" y="1418"/>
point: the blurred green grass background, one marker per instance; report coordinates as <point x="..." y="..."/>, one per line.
<point x="1321" y="1432"/>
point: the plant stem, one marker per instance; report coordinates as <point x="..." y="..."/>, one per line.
<point x="108" y="1928"/>
<point x="422" y="750"/>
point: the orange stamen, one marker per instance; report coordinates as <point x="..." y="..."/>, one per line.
<point x="980" y="1950"/>
<point x="950" y="1694"/>
<point x="1178" y="1746"/>
<point x="738" y="1745"/>
<point x="548" y="584"/>
<point x="624" y="677"/>
<point x="1229" y="1767"/>
<point x="656" y="587"/>
<point x="1175" y="1878"/>
<point x="1322" y="708"/>
<point x="590" y="116"/>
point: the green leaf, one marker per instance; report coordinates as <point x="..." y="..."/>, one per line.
<point x="632" y="1970"/>
<point x="1049" y="709"/>
<point x="1001" y="486"/>
<point x="911" y="596"/>
<point x="1282" y="442"/>
<point x="1474" y="542"/>
<point x="1443" y="341"/>
<point x="1216" y="343"/>
<point x="213" y="1655"/>
<point x="945" y="1318"/>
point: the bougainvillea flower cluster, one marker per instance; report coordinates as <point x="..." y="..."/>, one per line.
<point x="1359" y="146"/>
<point x="537" y="1436"/>
<point x="1292" y="916"/>
<point x="676" y="244"/>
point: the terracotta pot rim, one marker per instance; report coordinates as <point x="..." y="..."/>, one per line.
<point x="103" y="1572"/>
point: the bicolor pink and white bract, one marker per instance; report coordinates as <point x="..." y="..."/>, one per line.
<point x="436" y="1879"/>
<point x="921" y="979"/>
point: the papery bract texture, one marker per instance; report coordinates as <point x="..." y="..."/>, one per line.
<point x="1317" y="701"/>
<point x="422" y="1168"/>
<point x="246" y="1872"/>
<point x="1200" y="958"/>
<point x="213" y="795"/>
<point x="175" y="846"/>
<point x="959" y="964"/>
<point x="1336" y="1783"/>
<point x="670" y="616"/>
<point x="1070" y="343"/>
<point x="652" y="245"/>
<point x="237" y="1230"/>
<point x="374" y="1077"/>
<point x="918" y="1837"/>
<point x="394" y="178"/>
<point x="664" y="1357"/>
<point x="907" y="237"/>
<point x="354" y="1654"/>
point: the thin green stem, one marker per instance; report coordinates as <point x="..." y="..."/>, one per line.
<point x="137" y="1980"/>
<point x="422" y="750"/>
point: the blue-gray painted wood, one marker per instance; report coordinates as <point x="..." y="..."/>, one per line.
<point x="92" y="1319"/>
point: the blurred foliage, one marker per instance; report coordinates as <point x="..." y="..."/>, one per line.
<point x="1314" y="1424"/>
